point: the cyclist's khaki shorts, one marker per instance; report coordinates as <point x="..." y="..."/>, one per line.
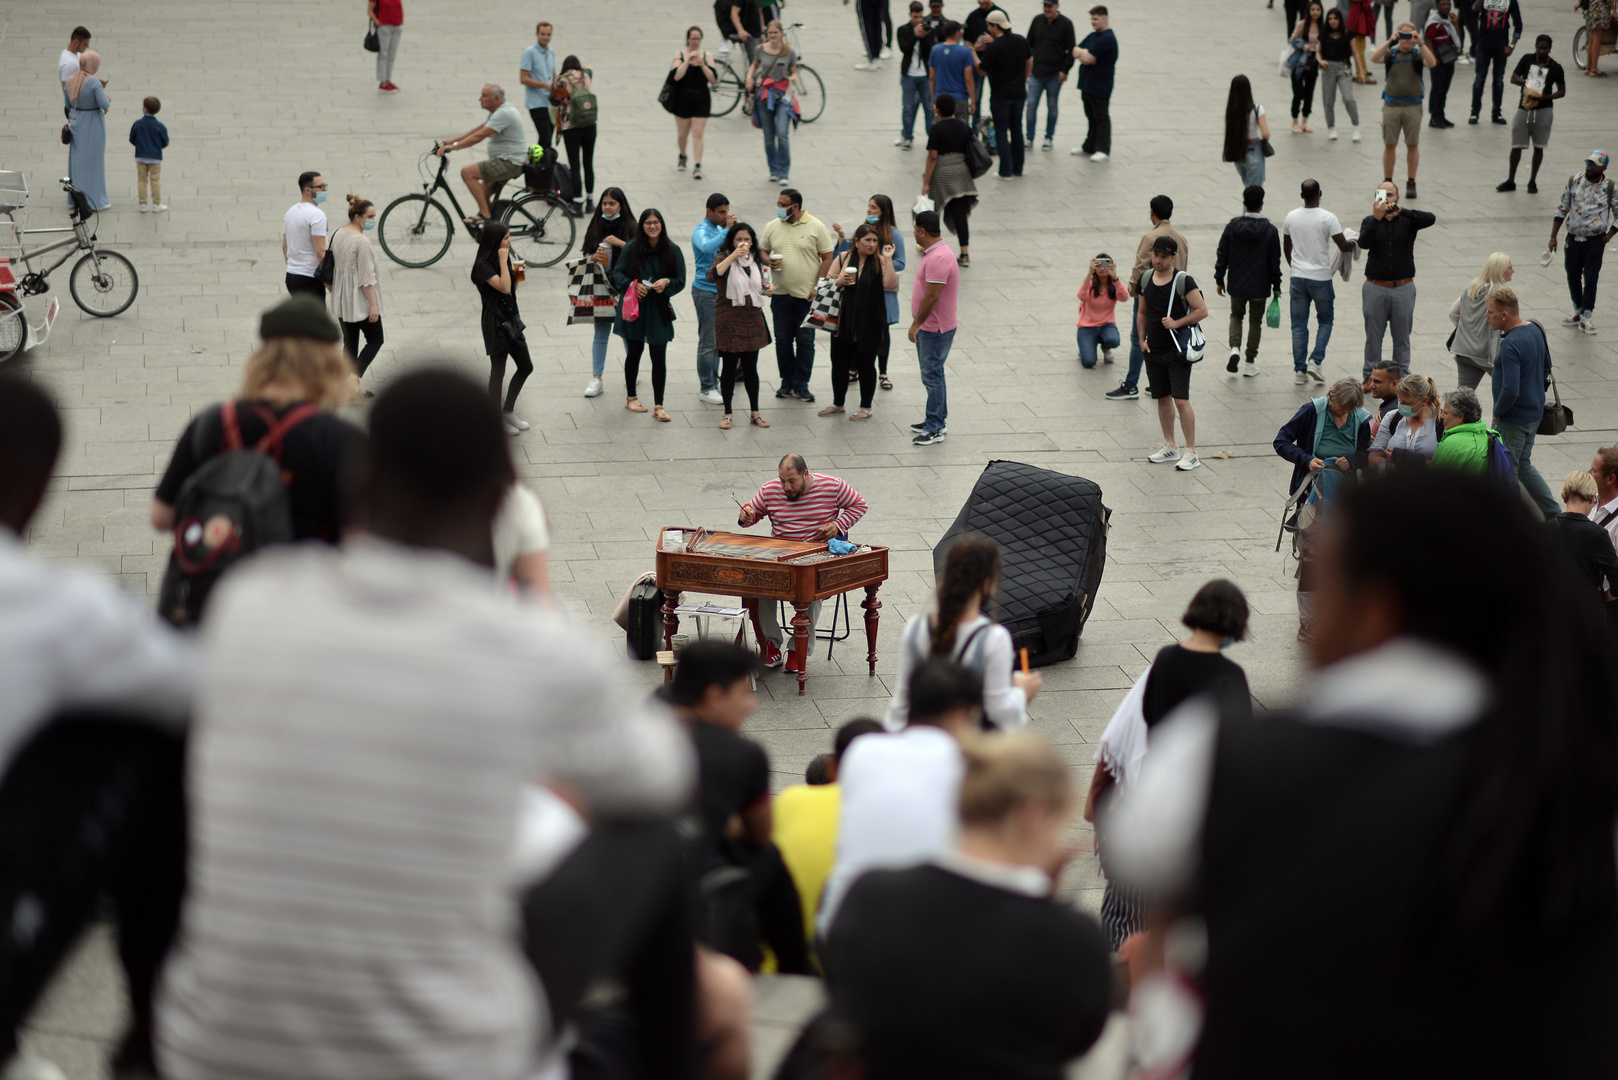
<point x="494" y="170"/>
<point x="1397" y="118"/>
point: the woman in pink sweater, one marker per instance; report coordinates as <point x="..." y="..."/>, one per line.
<point x="1098" y="296"/>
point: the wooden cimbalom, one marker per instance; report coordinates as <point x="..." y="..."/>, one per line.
<point x="765" y="569"/>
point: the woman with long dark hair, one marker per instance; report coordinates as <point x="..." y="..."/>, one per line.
<point x="578" y="125"/>
<point x="739" y="328"/>
<point x="1309" y="30"/>
<point x="655" y="268"/>
<point x="1245" y="129"/>
<point x="1432" y="836"/>
<point x="1098" y="301"/>
<point x="865" y="272"/>
<point x="959" y="631"/>
<point x="611" y="227"/>
<point x="496" y="283"/>
<point x="879" y="212"/>
<point x="1336" y="62"/>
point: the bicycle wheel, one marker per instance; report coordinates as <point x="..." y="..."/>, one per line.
<point x="415" y="236"/>
<point x="811" y="94"/>
<point x="103" y="283"/>
<point x="13" y="326"/>
<point x="542" y="231"/>
<point x="727" y="92"/>
<point x="1581" y="46"/>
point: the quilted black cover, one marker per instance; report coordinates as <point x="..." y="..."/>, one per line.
<point x="1052" y="531"/>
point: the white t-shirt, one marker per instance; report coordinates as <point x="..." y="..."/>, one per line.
<point x="899" y="806"/>
<point x="67" y="66"/>
<point x="1253" y="133"/>
<point x="519" y="529"/>
<point x="1311" y="230"/>
<point x="303" y="223"/>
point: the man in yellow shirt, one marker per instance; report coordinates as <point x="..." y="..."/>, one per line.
<point x="806" y="821"/>
<point x="798" y="248"/>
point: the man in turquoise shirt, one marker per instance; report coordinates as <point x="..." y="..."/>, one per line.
<point x="537" y="73"/>
<point x="705" y="240"/>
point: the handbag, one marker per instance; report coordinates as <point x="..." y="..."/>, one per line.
<point x="589" y="293"/>
<point x="1193" y="345"/>
<point x="67" y="135"/>
<point x="326" y="272"/>
<point x="1272" y="314"/>
<point x="513" y="327"/>
<point x="1557" y="417"/>
<point x="978" y="159"/>
<point x="667" y="92"/>
<point x="373" y="42"/>
<point x="827" y="304"/>
<point x="629" y="306"/>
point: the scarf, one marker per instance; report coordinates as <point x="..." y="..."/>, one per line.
<point x="89" y="64"/>
<point x="744" y="285"/>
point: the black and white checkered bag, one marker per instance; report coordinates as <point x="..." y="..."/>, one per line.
<point x="589" y="293"/>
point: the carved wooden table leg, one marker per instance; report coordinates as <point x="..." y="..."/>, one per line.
<point x="800" y="641"/>
<point x="871" y="605"/>
<point x="671" y="621"/>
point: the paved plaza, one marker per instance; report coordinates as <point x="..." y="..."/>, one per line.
<point x="255" y="93"/>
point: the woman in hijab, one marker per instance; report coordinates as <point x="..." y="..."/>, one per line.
<point x="86" y="157"/>
<point x="865" y="273"/>
<point x="739" y="329"/>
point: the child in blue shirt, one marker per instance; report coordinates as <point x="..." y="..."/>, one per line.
<point x="148" y="136"/>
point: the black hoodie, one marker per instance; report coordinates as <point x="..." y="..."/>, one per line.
<point x="1250" y="250"/>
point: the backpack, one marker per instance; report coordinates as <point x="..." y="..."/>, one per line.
<point x="1189" y="341"/>
<point x="1499" y="467"/>
<point x="581" y="108"/>
<point x="233" y="505"/>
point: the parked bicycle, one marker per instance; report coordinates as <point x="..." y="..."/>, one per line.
<point x="103" y="282"/>
<point x="731" y="89"/>
<point x="416" y="230"/>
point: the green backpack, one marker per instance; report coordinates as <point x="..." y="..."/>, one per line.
<point x="581" y="108"/>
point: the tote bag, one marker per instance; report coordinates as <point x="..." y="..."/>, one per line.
<point x="827" y="304"/>
<point x="589" y="293"/>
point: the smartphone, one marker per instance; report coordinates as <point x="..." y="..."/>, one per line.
<point x="1381" y="197"/>
<point x="1405" y="35"/>
<point x="1106" y="264"/>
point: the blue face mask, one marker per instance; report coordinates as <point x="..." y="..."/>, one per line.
<point x="1227" y="642"/>
<point x="320" y="197"/>
<point x="781" y="212"/>
<point x="872" y="219"/>
<point x="1407" y="410"/>
<point x="610" y="217"/>
<point x="370" y="224"/>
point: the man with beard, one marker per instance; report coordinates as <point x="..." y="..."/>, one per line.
<point x="801" y="505"/>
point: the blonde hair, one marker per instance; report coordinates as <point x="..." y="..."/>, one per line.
<point x="1579" y="485"/>
<point x="321" y="368"/>
<point x="1006" y="772"/>
<point x="1494" y="274"/>
<point x="1419" y="388"/>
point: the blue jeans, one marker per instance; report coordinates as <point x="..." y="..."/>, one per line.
<point x="1303" y="291"/>
<point x="1090" y="336"/>
<point x="1519" y="439"/>
<point x="932" y="349"/>
<point x="1136" y="357"/>
<point x="1051" y="87"/>
<point x="777" y="128"/>
<point x="598" y="348"/>
<point x="1485" y="56"/>
<point x="707" y="359"/>
<point x="1007" y="117"/>
<point x="1251" y="167"/>
<point x="794" y="366"/>
<point x="914" y="91"/>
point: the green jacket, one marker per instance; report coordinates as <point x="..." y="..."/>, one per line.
<point x="1465" y="447"/>
<point x="656" y="323"/>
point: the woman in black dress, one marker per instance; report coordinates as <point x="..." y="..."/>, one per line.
<point x="865" y="273"/>
<point x="496" y="282"/>
<point x="690" y="74"/>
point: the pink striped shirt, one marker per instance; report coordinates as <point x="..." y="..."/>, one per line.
<point x="800" y="518"/>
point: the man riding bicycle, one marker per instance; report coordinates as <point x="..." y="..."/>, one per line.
<point x="508" y="150"/>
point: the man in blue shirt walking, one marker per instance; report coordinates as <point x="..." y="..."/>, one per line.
<point x="537" y="73"/>
<point x="705" y="241"/>
<point x="1519" y="391"/>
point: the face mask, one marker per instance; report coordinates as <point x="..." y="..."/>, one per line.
<point x="1227" y="642"/>
<point x="370" y="224"/>
<point x="610" y="217"/>
<point x="872" y="219"/>
<point x="781" y="212"/>
<point x="320" y="197"/>
<point x="1407" y="410"/>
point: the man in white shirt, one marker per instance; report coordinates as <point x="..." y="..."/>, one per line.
<point x="93" y="697"/>
<point x="303" y="237"/>
<point x="368" y="725"/>
<point x="1604" y="469"/>
<point x="1307" y="235"/>
<point x="900" y="793"/>
<point x="68" y="64"/>
<point x="508" y="148"/>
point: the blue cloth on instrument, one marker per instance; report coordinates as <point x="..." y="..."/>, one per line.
<point x="841" y="547"/>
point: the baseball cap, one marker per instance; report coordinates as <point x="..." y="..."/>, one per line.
<point x="1598" y="158"/>
<point x="998" y="18"/>
<point x="1167" y="245"/>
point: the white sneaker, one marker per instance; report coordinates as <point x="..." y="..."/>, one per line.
<point x="160" y="208"/>
<point x="724" y="50"/>
<point x="1463" y="59"/>
<point x="143" y="208"/>
<point x="1331" y="134"/>
<point x="711" y="397"/>
<point x="1249" y="369"/>
<point x="512" y="428"/>
<point x="593" y="388"/>
<point x="1356" y="133"/>
<point x="1315" y="373"/>
<point x="1588" y="325"/>
<point x="516" y="421"/>
<point x="1574" y="319"/>
<point x="1078" y="151"/>
<point x="1189" y="462"/>
<point x="1098" y="156"/>
<point x="1163" y="453"/>
<point x="902" y="143"/>
<point x="28" y="1066"/>
<point x="868" y="65"/>
<point x="1299" y="378"/>
<point x="1046" y="145"/>
<point x="1106" y="355"/>
<point x="886" y="53"/>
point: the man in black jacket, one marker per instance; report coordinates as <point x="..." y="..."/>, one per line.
<point x="1388" y="297"/>
<point x="1051" y="39"/>
<point x="1250" y="250"/>
<point x="1003" y="59"/>
<point x="916" y="41"/>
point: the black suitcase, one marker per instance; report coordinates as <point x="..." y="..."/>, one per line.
<point x="645" y="622"/>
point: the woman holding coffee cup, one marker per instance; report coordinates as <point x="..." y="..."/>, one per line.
<point x="492" y="273"/>
<point x="739" y="329"/>
<point x="865" y="273"/>
<point x="879" y="212"/>
<point x="611" y="227"/>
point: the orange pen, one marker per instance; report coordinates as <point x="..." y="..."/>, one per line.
<point x="1023" y="653"/>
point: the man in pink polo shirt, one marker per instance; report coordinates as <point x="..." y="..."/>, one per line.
<point x="932" y="321"/>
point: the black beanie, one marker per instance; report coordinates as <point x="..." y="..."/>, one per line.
<point x="299" y="316"/>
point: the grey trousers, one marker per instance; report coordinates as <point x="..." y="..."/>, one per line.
<point x="1385" y="307"/>
<point x="1469" y="373"/>
<point x="771" y="622"/>
<point x="388" y="38"/>
<point x="1339" y="77"/>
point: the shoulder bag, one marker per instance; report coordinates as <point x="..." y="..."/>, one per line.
<point x="667" y="92"/>
<point x="326" y="272"/>
<point x="1558" y="417"/>
<point x="373" y="43"/>
<point x="1264" y="145"/>
<point x="1189" y="341"/>
<point x="977" y="158"/>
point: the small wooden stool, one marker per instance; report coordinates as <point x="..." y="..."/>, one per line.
<point x="665" y="660"/>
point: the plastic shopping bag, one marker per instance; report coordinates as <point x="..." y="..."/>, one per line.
<point x="1272" y="316"/>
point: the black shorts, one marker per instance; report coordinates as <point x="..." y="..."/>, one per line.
<point x="1168" y="378"/>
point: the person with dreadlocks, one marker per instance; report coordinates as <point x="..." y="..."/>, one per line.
<point x="959" y="631"/>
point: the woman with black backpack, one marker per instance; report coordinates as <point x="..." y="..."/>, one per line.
<point x="496" y="278"/>
<point x="578" y="126"/>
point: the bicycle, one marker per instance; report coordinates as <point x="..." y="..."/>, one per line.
<point x="103" y="283"/>
<point x="732" y="85"/>
<point x="418" y="237"/>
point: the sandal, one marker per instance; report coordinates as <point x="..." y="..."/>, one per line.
<point x="758" y="421"/>
<point x="831" y="410"/>
<point x="886" y="383"/>
<point x="477" y="221"/>
<point x="659" y="414"/>
<point x="861" y="415"/>
<point x="724" y="423"/>
<point x="634" y="405"/>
